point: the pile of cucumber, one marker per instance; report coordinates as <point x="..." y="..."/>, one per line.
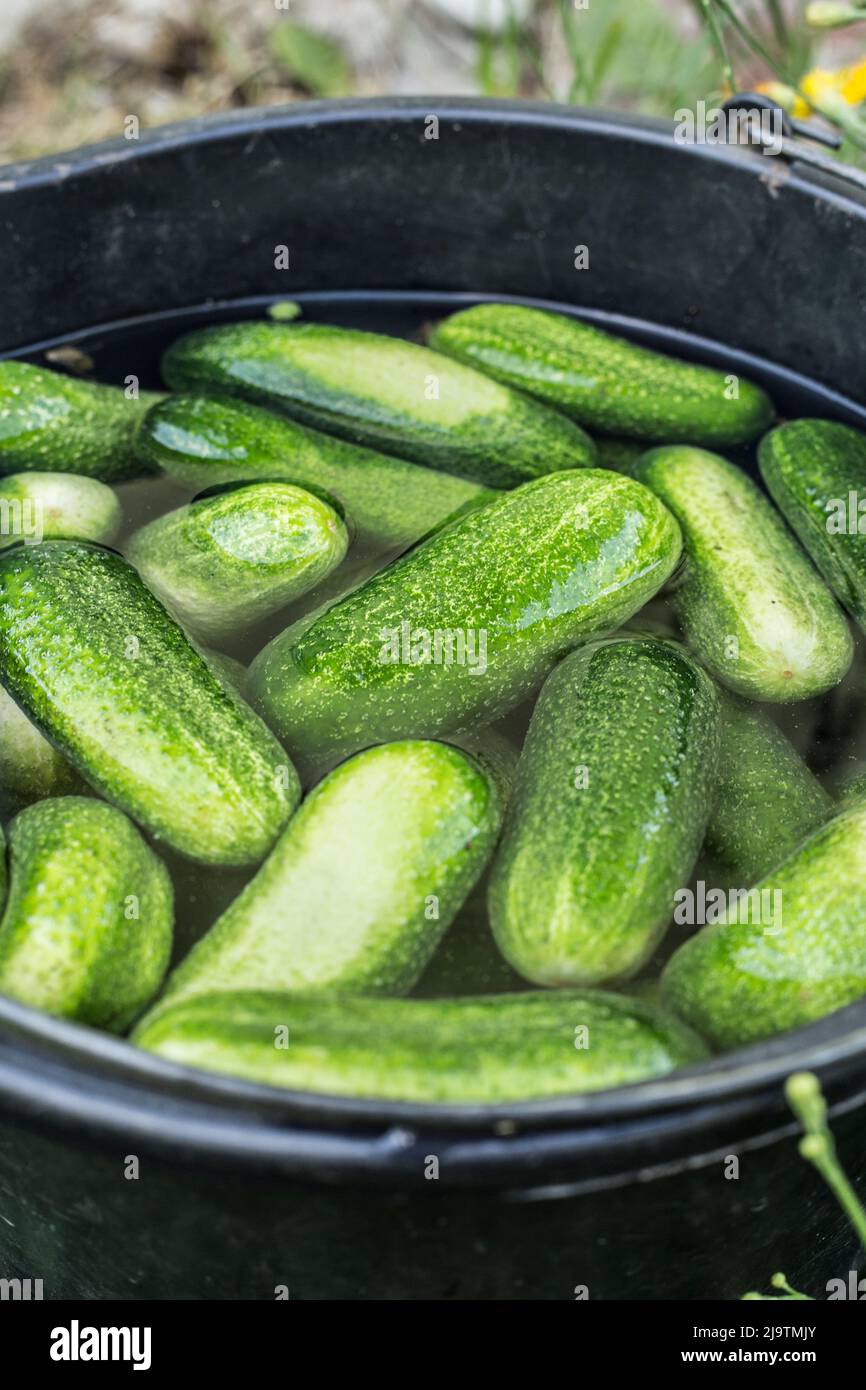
<point x="517" y="634"/>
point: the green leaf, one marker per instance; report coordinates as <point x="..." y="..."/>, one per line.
<point x="313" y="61"/>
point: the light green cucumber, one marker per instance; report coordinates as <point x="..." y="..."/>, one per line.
<point x="465" y="626"/>
<point x="87" y="929"/>
<point x="751" y="604"/>
<point x="203" y="441"/>
<point x="604" y="381"/>
<point x="105" y="673"/>
<point x="383" y="393"/>
<point x="815" y="471"/>
<point x="42" y="506"/>
<point x="50" y="422"/>
<point x="462" y="1051"/>
<point x="357" y="893"/>
<point x="222" y="563"/>
<point x="790" y="952"/>
<point x="765" y="802"/>
<point x="608" y="814"/>
<point x="30" y="767"/>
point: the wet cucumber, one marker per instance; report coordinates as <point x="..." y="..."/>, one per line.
<point x="608" y="814"/>
<point x="466" y="625"/>
<point x="766" y="801"/>
<point x="815" y="471"/>
<point x="463" y="1051"/>
<point x="45" y="506"/>
<point x="58" y="423"/>
<point x="203" y="441"/>
<point x="358" y="891"/>
<point x="30" y="767"/>
<point x="222" y="563"/>
<point x="87" y="928"/>
<point x="383" y="393"/>
<point x="105" y="673"/>
<point x="750" y="602"/>
<point x="603" y="381"/>
<point x="791" y="953"/>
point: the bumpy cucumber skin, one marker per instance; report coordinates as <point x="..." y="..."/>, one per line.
<point x="606" y="822"/>
<point x="386" y="394"/>
<point x="527" y="576"/>
<point x="605" y="382"/>
<point x="50" y="506"/>
<point x="105" y="673"/>
<point x="53" y="422"/>
<point x="738" y="982"/>
<point x="87" y="929"/>
<point x="766" y="801"/>
<point x="750" y="602"/>
<point x="224" y="562"/>
<point x="460" y="1051"/>
<point x="30" y="767"/>
<point x="852" y="788"/>
<point x="358" y="891"/>
<point x="806" y="464"/>
<point x="202" y="441"/>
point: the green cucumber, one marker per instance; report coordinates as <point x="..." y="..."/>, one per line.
<point x="48" y="506"/>
<point x="790" y="952"/>
<point x="358" y="891"/>
<point x="467" y="960"/>
<point x="750" y="603"/>
<point x="463" y="1051"/>
<point x="87" y="929"/>
<point x="603" y="381"/>
<point x="766" y="801"/>
<point x="105" y="673"/>
<point x="383" y="393"/>
<point x="222" y="563"/>
<point x="30" y="767"/>
<point x="607" y="818"/>
<point x="53" y="422"/>
<point x="465" y="626"/>
<point x="619" y="454"/>
<point x="815" y="471"/>
<point x="203" y="441"/>
<point x="852" y="787"/>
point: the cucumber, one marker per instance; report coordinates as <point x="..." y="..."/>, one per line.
<point x="766" y="801"/>
<point x="467" y="960"/>
<point x="604" y="381"/>
<point x="105" y="673"/>
<point x="852" y="788"/>
<point x="466" y="625"/>
<point x="202" y="441"/>
<point x="463" y="1051"/>
<point x="224" y="562"/>
<point x="815" y="471"/>
<point x="361" y="886"/>
<point x="87" y="929"/>
<point x="30" y="768"/>
<point x="54" y="422"/>
<point x="228" y="670"/>
<point x="41" y="506"/>
<point x="750" y="603"/>
<point x="617" y="453"/>
<point x="791" y="953"/>
<point x="384" y="393"/>
<point x="607" y="818"/>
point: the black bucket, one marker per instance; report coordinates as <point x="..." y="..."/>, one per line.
<point x="391" y="216"/>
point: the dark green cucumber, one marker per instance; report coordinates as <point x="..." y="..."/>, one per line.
<point x="466" y="625"/>
<point x="384" y="393"/>
<point x="50" y="422"/>
<point x="608" y="814"/>
<point x="766" y="801"/>
<point x="815" y="471"/>
<point x="203" y="441"/>
<point x="46" y="506"/>
<point x="783" y="959"/>
<point x="603" y="381"/>
<point x="461" y="1051"/>
<point x="105" y="673"/>
<point x="361" y="886"/>
<point x="87" y="928"/>
<point x="852" y="788"/>
<point x="750" y="602"/>
<point x="617" y="453"/>
<point x="222" y="563"/>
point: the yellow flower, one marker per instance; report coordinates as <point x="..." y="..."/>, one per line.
<point x="827" y="89"/>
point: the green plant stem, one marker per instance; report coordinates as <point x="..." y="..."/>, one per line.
<point x="819" y="1147"/>
<point x="709" y="12"/>
<point x="779" y="23"/>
